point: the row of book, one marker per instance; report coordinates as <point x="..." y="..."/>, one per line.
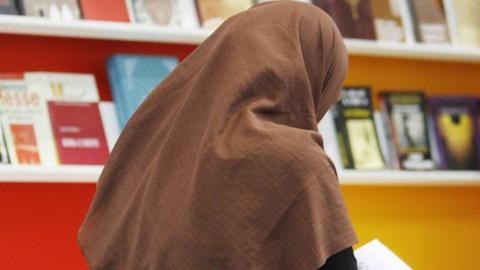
<point x="423" y="21"/>
<point x="411" y="131"/>
<point x="54" y="118"/>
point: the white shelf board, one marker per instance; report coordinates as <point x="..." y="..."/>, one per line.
<point x="410" y="178"/>
<point x="24" y="25"/>
<point x="43" y="174"/>
<point x="90" y="174"/>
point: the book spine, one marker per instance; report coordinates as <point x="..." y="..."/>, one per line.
<point x="393" y="153"/>
<point x="342" y="137"/>
<point x="327" y="130"/>
<point x="115" y="90"/>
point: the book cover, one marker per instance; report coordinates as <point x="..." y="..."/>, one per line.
<point x="326" y="128"/>
<point x="67" y="10"/>
<point x="26" y="124"/>
<point x="212" y="13"/>
<point x="467" y="21"/>
<point x="429" y="21"/>
<point x="162" y="12"/>
<point x="406" y="116"/>
<point x="104" y="10"/>
<point x="356" y="134"/>
<point x="388" y="20"/>
<point x="354" y="18"/>
<point x="63" y="86"/>
<point x="4" y="157"/>
<point x="133" y="77"/>
<point x="110" y="122"/>
<point x="78" y="132"/>
<point x="455" y="124"/>
<point x="8" y="7"/>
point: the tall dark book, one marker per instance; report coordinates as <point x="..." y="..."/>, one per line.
<point x="54" y="9"/>
<point x="456" y="130"/>
<point x="430" y="22"/>
<point x="405" y="113"/>
<point x="355" y="129"/>
<point x="8" y="7"/>
<point x="354" y="18"/>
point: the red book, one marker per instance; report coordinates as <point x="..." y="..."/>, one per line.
<point x="104" y="10"/>
<point x="78" y="132"/>
<point x="25" y="143"/>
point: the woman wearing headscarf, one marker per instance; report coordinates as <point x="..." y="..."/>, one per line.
<point x="222" y="166"/>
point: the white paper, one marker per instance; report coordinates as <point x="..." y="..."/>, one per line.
<point x="376" y="256"/>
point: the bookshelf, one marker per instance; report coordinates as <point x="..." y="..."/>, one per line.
<point x="101" y="30"/>
<point x="90" y="174"/>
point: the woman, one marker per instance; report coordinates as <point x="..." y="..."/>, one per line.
<point x="222" y="166"/>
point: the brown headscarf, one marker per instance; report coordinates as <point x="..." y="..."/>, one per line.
<point x="222" y="166"/>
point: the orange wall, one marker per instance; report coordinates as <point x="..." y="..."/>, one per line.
<point x="431" y="228"/>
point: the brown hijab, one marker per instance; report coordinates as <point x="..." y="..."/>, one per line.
<point x="222" y="166"/>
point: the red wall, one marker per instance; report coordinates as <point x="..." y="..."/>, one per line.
<point x="39" y="222"/>
<point x="38" y="225"/>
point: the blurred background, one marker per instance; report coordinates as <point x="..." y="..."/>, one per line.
<point x="72" y="72"/>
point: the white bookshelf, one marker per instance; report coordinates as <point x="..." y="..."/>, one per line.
<point x="90" y="174"/>
<point x="410" y="178"/>
<point x="43" y="174"/>
<point x="24" y="25"/>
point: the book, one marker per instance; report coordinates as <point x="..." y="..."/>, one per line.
<point x="356" y="134"/>
<point x="465" y="21"/>
<point x="67" y="10"/>
<point x="212" y="13"/>
<point x="388" y="20"/>
<point x="354" y="18"/>
<point x="8" y="7"/>
<point x="429" y="21"/>
<point x="164" y="12"/>
<point x="326" y="128"/>
<point x="4" y="157"/>
<point x="455" y="124"/>
<point x="405" y="114"/>
<point x="384" y="139"/>
<point x="110" y="122"/>
<point x="64" y="86"/>
<point x="53" y="86"/>
<point x="133" y="77"/>
<point x="25" y="124"/>
<point x="374" y="255"/>
<point x="104" y="11"/>
<point x="78" y="132"/>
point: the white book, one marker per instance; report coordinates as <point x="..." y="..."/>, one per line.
<point x="25" y="120"/>
<point x="326" y="128"/>
<point x="175" y="13"/>
<point x="58" y="86"/>
<point x="383" y="138"/>
<point x="110" y="123"/>
<point x="376" y="256"/>
<point x="4" y="157"/>
<point x="463" y="22"/>
<point x="407" y="20"/>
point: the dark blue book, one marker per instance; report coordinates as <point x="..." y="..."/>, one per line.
<point x="133" y="77"/>
<point x="455" y="122"/>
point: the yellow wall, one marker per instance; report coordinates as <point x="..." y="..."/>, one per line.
<point x="431" y="228"/>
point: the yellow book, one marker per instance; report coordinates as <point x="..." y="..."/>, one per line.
<point x="467" y="22"/>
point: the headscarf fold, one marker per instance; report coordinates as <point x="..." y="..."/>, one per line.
<point x="222" y="166"/>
